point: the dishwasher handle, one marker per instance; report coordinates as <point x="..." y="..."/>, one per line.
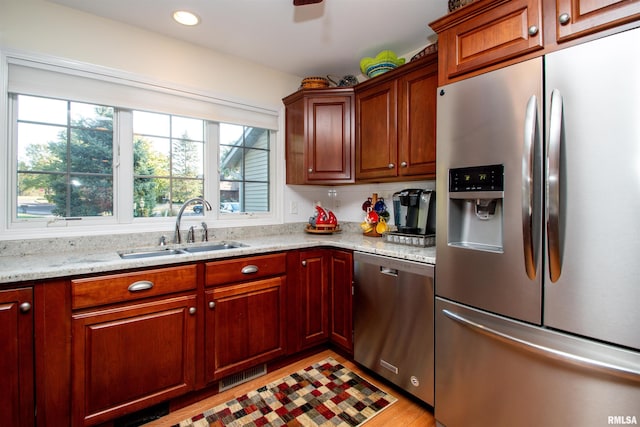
<point x="389" y="271"/>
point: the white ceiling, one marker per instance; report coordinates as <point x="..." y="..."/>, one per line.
<point x="312" y="40"/>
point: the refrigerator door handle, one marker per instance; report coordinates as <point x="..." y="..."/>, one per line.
<point x="553" y="185"/>
<point x="585" y="362"/>
<point x="531" y="135"/>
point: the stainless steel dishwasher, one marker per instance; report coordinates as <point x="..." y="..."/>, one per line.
<point x="394" y="321"/>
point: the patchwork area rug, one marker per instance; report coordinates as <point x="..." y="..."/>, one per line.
<point x="323" y="394"/>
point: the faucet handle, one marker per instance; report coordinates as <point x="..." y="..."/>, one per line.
<point x="191" y="235"/>
<point x="163" y="240"/>
<point x="205" y="232"/>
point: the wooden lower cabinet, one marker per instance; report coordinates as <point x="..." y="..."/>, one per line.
<point x="245" y="313"/>
<point x="313" y="284"/>
<point x="16" y="358"/>
<point x="341" y="291"/>
<point x="244" y="326"/>
<point x="323" y="297"/>
<point x="128" y="358"/>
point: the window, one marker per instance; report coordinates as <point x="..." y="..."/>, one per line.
<point x="65" y="158"/>
<point x="88" y="144"/>
<point x="168" y="163"/>
<point x="244" y="169"/>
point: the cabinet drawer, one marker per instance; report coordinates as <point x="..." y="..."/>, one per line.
<point x="131" y="286"/>
<point x="243" y="269"/>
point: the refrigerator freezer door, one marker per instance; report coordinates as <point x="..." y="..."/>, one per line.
<point x="484" y="121"/>
<point x="495" y="372"/>
<point x="597" y="203"/>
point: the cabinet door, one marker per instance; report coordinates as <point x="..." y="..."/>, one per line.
<point x="314" y="292"/>
<point x="576" y="18"/>
<point x="320" y="135"/>
<point x="341" y="300"/>
<point x="329" y="152"/>
<point x="129" y="358"/>
<point x="417" y="122"/>
<point x="16" y="358"/>
<point x="244" y="326"/>
<point x="377" y="137"/>
<point x="481" y="38"/>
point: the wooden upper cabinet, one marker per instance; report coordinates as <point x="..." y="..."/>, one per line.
<point x="377" y="140"/>
<point x="487" y="32"/>
<point x="396" y="123"/>
<point x="575" y="18"/>
<point x="319" y="136"/>
<point x="417" y="122"/>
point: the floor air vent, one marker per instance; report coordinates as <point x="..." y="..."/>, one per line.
<point x="242" y="377"/>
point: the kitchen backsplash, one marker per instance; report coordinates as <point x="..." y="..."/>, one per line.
<point x="94" y="244"/>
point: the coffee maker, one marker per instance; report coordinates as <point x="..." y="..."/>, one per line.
<point x="414" y="214"/>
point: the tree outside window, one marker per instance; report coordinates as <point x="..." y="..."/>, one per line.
<point x="65" y="158"/>
<point x="168" y="163"/>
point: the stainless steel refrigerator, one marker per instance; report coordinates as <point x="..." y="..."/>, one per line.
<point x="538" y="241"/>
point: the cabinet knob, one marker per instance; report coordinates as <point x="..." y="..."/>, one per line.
<point x="310" y="170"/>
<point x="564" y="18"/>
<point x="533" y="30"/>
<point x="391" y="166"/>
<point x="212" y="304"/>
<point x="25" y="307"/>
<point x="192" y="310"/>
<point x="304" y="262"/>
<point x="403" y="164"/>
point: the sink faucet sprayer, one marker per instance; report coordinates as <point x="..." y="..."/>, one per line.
<point x="206" y="204"/>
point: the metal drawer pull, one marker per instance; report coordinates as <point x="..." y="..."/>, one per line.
<point x="249" y="269"/>
<point x="544" y="351"/>
<point x="25" y="307"/>
<point x="389" y="271"/>
<point x="192" y="310"/>
<point x="142" y="285"/>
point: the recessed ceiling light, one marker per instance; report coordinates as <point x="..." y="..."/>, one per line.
<point x="185" y="18"/>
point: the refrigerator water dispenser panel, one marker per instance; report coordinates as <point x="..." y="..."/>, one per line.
<point x="475" y="207"/>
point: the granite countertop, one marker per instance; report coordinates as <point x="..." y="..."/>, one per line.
<point x="25" y="267"/>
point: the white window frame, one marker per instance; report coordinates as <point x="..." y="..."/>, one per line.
<point x="122" y="221"/>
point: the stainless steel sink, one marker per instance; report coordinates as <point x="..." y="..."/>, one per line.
<point x="150" y="253"/>
<point x="221" y="246"/>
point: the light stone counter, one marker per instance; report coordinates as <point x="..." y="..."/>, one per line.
<point x="78" y="258"/>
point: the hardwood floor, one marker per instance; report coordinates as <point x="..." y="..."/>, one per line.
<point x="406" y="412"/>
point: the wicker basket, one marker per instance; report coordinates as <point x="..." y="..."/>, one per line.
<point x="314" y="83"/>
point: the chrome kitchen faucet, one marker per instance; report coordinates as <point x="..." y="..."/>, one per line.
<point x="207" y="206"/>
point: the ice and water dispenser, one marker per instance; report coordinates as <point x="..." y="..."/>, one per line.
<point x="476" y="196"/>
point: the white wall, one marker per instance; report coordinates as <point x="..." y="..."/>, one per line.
<point x="40" y="27"/>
